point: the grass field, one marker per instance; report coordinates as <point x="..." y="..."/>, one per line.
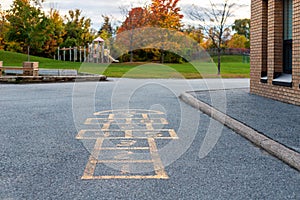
<point x="231" y="67"/>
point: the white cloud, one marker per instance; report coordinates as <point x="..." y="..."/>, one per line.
<point x="94" y="9"/>
<point x="5" y="4"/>
<point x="242" y="12"/>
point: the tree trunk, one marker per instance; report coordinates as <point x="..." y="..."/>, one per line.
<point x="131" y="56"/>
<point x="162" y="52"/>
<point x="219" y="61"/>
<point x="28" y="53"/>
<point x="131" y="44"/>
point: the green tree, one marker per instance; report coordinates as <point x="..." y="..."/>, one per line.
<point x="27" y="25"/>
<point x="106" y="30"/>
<point x="56" y="32"/>
<point x="242" y="27"/>
<point x="3" y="27"/>
<point x="77" y="29"/>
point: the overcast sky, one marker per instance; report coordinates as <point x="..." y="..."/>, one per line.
<point x="95" y="8"/>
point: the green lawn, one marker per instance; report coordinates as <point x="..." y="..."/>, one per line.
<point x="232" y="67"/>
<point x="16" y="59"/>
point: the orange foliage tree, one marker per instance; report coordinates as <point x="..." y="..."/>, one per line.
<point x="160" y="14"/>
<point x="166" y="14"/>
<point x="137" y="18"/>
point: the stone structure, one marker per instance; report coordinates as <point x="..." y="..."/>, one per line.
<point x="28" y="69"/>
<point x="31" y="68"/>
<point x="275" y="49"/>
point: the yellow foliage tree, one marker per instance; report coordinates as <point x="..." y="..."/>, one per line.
<point x="3" y="23"/>
<point x="237" y="41"/>
<point x="165" y="14"/>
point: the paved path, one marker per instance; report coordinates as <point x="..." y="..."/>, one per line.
<point x="62" y="141"/>
<point x="246" y="115"/>
<point x="277" y="120"/>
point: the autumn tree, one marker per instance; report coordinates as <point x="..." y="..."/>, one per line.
<point x="214" y="22"/>
<point x="237" y="41"/>
<point x="195" y="33"/>
<point x="161" y="14"/>
<point x="56" y="32"/>
<point x="166" y="14"/>
<point x="242" y="27"/>
<point x="207" y="44"/>
<point x="27" y="25"/>
<point x="136" y="18"/>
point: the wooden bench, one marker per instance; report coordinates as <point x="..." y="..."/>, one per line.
<point x="27" y="71"/>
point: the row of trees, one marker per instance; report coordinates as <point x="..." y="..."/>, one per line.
<point x="213" y="31"/>
<point x="25" y="26"/>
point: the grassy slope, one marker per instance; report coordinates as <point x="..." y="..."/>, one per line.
<point x="232" y="67"/>
<point x="16" y="59"/>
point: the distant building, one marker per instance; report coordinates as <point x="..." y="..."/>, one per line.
<point x="275" y="49"/>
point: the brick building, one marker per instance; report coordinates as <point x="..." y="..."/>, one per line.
<point x="275" y="49"/>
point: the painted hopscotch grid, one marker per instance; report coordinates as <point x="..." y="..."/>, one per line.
<point x="125" y="146"/>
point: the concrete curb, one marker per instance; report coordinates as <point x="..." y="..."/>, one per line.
<point x="280" y="151"/>
<point x="50" y="79"/>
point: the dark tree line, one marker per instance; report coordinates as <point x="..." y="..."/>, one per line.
<point x="26" y="27"/>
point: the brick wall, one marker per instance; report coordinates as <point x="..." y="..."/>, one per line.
<point x="257" y="39"/>
<point x="270" y="14"/>
<point x="296" y="44"/>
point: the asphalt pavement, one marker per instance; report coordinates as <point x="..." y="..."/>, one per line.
<point x="277" y="120"/>
<point x="43" y="157"/>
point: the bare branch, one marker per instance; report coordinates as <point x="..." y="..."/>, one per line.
<point x="214" y="22"/>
